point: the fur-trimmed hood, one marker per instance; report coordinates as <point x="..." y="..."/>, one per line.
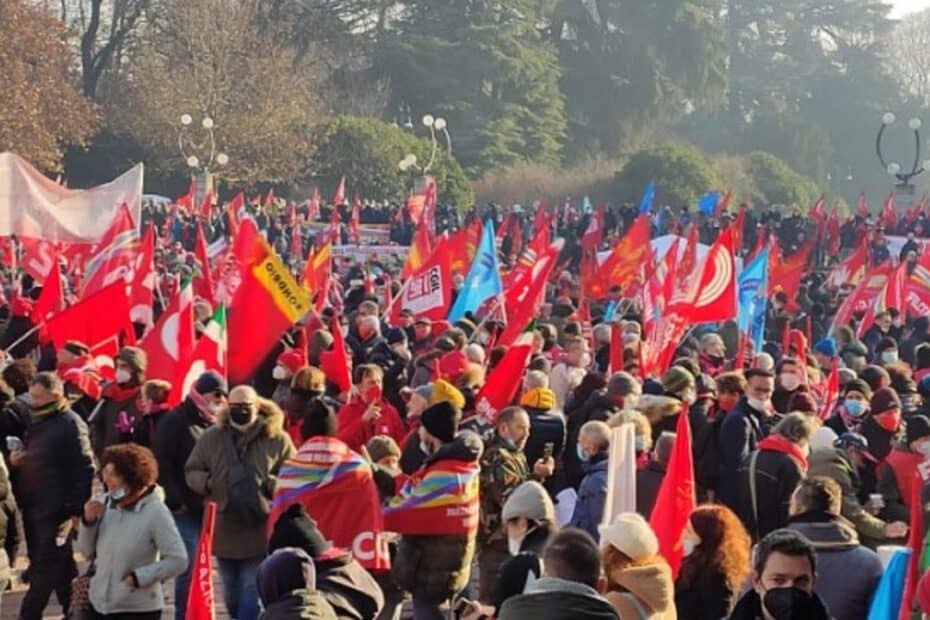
<point x="269" y="415"/>
<point x="656" y="408"/>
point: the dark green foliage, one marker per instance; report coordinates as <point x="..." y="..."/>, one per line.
<point x="681" y="174"/>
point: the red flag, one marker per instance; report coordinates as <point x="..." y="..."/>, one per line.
<point x="833" y="233"/>
<point x="267" y="290"/>
<point x="38" y="257"/>
<point x="419" y="252"/>
<point x="171" y="340"/>
<point x="594" y="235"/>
<point x="463" y="245"/>
<point x="339" y="196"/>
<point x="336" y="363"/>
<point x="206" y="205"/>
<point x="863" y="296"/>
<point x="833" y="390"/>
<point x="915" y="540"/>
<point x="616" y="349"/>
<point x="8" y="254"/>
<point x="200" y="604"/>
<point x="786" y="273"/>
<point x="889" y="216"/>
<point x="714" y="299"/>
<point x="210" y="353"/>
<point x="115" y="256"/>
<point x="335" y="226"/>
<point x="202" y="281"/>
<point x="318" y="269"/>
<point x="676" y="498"/>
<point x="738" y="225"/>
<point x="428" y="290"/>
<point x="852" y="270"/>
<point x="98" y="319"/>
<point x="269" y="197"/>
<point x="233" y="207"/>
<point x="541" y="221"/>
<point x="313" y="209"/>
<point x="354" y="219"/>
<point x="862" y="207"/>
<point x="819" y="218"/>
<point x="623" y="266"/>
<point x="503" y="382"/>
<point x="187" y="200"/>
<point x="890" y="296"/>
<point x="525" y="296"/>
<point x="51" y="299"/>
<point x="143" y="282"/>
<point x="723" y="203"/>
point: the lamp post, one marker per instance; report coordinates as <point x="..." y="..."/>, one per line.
<point x="200" y="154"/>
<point x="904" y="188"/>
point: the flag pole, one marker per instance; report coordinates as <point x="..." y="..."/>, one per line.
<point x="403" y="288"/>
<point x="485" y="319"/>
<point x="22" y="338"/>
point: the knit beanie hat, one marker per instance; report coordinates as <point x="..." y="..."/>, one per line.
<point x="296" y="528"/>
<point x="135" y="358"/>
<point x="858" y="385"/>
<point x="396" y="335"/>
<point x="210" y="382"/>
<point x="631" y="535"/>
<point x="445" y="392"/>
<point x="676" y="379"/>
<point x="76" y="347"/>
<point x="884" y="400"/>
<point x="802" y="401"/>
<point x="284" y="571"/>
<point x="381" y="446"/>
<point x="538" y="398"/>
<point x="827" y="347"/>
<point x="292" y="360"/>
<point x="441" y="420"/>
<point x="916" y="426"/>
<point x="531" y="501"/>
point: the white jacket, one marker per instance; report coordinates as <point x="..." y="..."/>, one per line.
<point x="563" y="379"/>
<point x="141" y="540"/>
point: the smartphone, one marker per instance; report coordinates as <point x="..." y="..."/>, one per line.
<point x="13" y="443"/>
<point x="548" y="447"/>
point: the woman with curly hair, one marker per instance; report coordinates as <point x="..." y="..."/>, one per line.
<point x="716" y="566"/>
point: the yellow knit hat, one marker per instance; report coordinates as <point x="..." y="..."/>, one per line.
<point x="443" y="391"/>
<point x="538" y="398"/>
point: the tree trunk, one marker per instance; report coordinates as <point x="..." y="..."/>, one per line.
<point x="89" y="67"/>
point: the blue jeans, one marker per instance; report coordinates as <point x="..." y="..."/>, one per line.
<point x="189" y="528"/>
<point x="240" y="587"/>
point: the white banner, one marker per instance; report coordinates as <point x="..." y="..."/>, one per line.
<point x="32" y="205"/>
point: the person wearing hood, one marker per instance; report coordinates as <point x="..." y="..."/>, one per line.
<point x="154" y="394"/>
<point x="592" y="449"/>
<point x="741" y="431"/>
<point x="639" y="580"/>
<point x="235" y="463"/>
<point x="784" y="576"/>
<point x="287" y="587"/>
<point x="128" y="576"/>
<point x="896" y="474"/>
<point x="288" y="363"/>
<point x="112" y="420"/>
<point x="770" y="474"/>
<point x="345" y="585"/>
<point x="437" y="542"/>
<point x="175" y="438"/>
<point x="853" y="408"/>
<point x="849" y="572"/>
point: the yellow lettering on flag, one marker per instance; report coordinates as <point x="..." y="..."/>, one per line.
<point x="290" y="298"/>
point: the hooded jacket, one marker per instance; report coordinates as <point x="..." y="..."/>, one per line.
<point x="300" y="605"/>
<point x="263" y="448"/>
<point x="834" y="463"/>
<point x="648" y="587"/>
<point x="847" y="572"/>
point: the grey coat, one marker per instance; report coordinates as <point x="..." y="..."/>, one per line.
<point x="141" y="540"/>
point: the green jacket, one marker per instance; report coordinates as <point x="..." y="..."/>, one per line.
<point x="503" y="469"/>
<point x="833" y="463"/>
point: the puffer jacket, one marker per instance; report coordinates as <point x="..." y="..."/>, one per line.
<point x="438" y="565"/>
<point x="592" y="493"/>
<point x="648" y="587"/>
<point x="263" y="448"/>
<point x="300" y="605"/>
<point x="140" y="540"/>
<point x="347" y="587"/>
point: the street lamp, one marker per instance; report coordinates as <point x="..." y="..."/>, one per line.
<point x="200" y="154"/>
<point x="894" y="168"/>
<point x="436" y="124"/>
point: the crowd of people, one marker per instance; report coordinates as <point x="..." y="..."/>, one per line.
<point x="480" y="516"/>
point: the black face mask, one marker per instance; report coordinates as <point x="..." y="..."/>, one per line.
<point x="240" y="414"/>
<point x="788" y="603"/>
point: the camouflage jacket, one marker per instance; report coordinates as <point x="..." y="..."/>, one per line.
<point x="503" y="469"/>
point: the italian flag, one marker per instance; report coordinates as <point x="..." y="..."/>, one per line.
<point x="209" y="354"/>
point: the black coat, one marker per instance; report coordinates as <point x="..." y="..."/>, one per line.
<point x="740" y="432"/>
<point x="395" y="373"/>
<point x="749" y="607"/>
<point x="648" y="481"/>
<point x="175" y="437"/>
<point x="546" y="427"/>
<point x="54" y="479"/>
<point x="777" y="476"/>
<point x="708" y="597"/>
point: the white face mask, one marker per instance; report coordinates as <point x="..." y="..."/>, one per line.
<point x="123" y="376"/>
<point x="513" y="545"/>
<point x="689" y="546"/>
<point x="789" y="381"/>
<point x="118" y="494"/>
<point x="345" y="330"/>
<point x="689" y="397"/>
<point x="758" y="405"/>
<point x="279" y="373"/>
<point x="400" y="349"/>
<point x="889" y="357"/>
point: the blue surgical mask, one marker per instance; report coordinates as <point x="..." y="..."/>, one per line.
<point x="118" y="494"/>
<point x="584" y="458"/>
<point x="855" y="408"/>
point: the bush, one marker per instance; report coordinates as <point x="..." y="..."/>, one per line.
<point x="778" y="184"/>
<point x="681" y="174"/>
<point x="527" y="182"/>
<point x="367" y="151"/>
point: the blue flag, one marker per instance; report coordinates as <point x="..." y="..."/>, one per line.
<point x="483" y="280"/>
<point x="645" y="204"/>
<point x="708" y="203"/>
<point x="586" y="206"/>
<point x="886" y="602"/>
<point x="753" y="285"/>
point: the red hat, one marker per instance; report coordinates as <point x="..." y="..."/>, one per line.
<point x="293" y="360"/>
<point x="452" y="365"/>
<point x="84" y="380"/>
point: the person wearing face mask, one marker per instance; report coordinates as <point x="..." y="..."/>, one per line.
<point x="715" y="565"/>
<point x="896" y="474"/>
<point x="769" y="475"/>
<point x="886" y="352"/>
<point x="155" y="394"/>
<point x="783" y="578"/>
<point x="503" y="468"/>
<point x="741" y="431"/>
<point x="112" y="420"/>
<point x="639" y="580"/>
<point x="368" y="413"/>
<point x="307" y="387"/>
<point x="853" y="408"/>
<point x="235" y="463"/>
<point x="592" y="450"/>
<point x="421" y="338"/>
<point x="680" y="391"/>
<point x="128" y="576"/>
<point x="393" y="357"/>
<point x="175" y="437"/>
<point x="789" y="381"/>
<point x="286" y="366"/>
<point x="883" y="328"/>
<point x="712" y="355"/>
<point x="882" y="427"/>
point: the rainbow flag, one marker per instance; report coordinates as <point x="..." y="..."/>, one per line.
<point x="441" y="499"/>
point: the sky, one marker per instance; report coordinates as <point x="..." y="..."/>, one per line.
<point x="903" y="7"/>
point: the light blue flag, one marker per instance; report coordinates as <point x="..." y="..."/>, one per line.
<point x="753" y="285"/>
<point x="886" y="602"/>
<point x="708" y="203"/>
<point x="610" y="311"/>
<point x="645" y="204"/>
<point x="586" y="206"/>
<point x="483" y="280"/>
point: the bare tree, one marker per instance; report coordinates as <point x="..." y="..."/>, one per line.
<point x="105" y="29"/>
<point x="908" y="53"/>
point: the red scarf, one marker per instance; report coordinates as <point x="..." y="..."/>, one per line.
<point x="777" y="443"/>
<point x="115" y="392"/>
